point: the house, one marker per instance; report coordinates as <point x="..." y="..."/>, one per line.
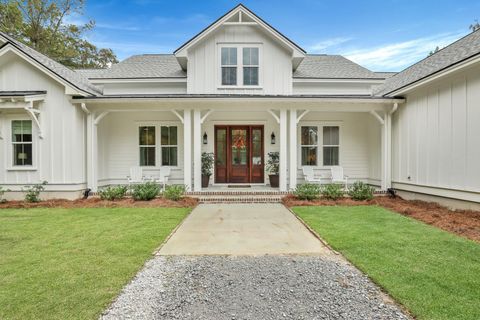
<point x="241" y="89"/>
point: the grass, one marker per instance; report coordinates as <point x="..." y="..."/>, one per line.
<point x="435" y="274"/>
<point x="71" y="263"/>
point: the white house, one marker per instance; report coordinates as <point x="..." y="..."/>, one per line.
<point x="241" y="89"/>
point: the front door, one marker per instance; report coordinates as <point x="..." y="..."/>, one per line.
<point x="239" y="154"/>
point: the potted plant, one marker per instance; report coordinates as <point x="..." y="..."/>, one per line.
<point x="273" y="164"/>
<point x="207" y="166"/>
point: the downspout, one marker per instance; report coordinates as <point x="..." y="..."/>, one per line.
<point x="388" y="123"/>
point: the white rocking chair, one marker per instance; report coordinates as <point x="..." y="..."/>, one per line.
<point x="136" y="176"/>
<point x="163" y="176"/>
<point x="309" y="175"/>
<point x="338" y="176"/>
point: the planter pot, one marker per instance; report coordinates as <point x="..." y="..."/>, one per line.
<point x="274" y="180"/>
<point x="205" y="181"/>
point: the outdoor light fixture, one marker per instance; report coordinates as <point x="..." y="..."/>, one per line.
<point x="272" y="138"/>
<point x="205" y="138"/>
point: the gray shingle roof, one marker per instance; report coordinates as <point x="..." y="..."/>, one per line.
<point x="74" y="78"/>
<point x="456" y="52"/>
<point x="90" y="73"/>
<point x="385" y="74"/>
<point x="143" y="66"/>
<point x="332" y="67"/>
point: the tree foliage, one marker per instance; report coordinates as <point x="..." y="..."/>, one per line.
<point x="46" y="26"/>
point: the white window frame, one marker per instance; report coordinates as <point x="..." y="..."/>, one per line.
<point x="309" y="145"/>
<point x="319" y="125"/>
<point x="240" y="65"/>
<point x="168" y="145"/>
<point x="158" y="145"/>
<point x="147" y="146"/>
<point x="9" y="145"/>
<point x="330" y="145"/>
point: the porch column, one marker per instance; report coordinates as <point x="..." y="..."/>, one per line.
<point x="283" y="150"/>
<point x="386" y="151"/>
<point x="187" y="148"/>
<point x="293" y="149"/>
<point x="92" y="163"/>
<point x="197" y="151"/>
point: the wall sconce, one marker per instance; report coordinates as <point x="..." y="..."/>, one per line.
<point x="205" y="138"/>
<point x="272" y="138"/>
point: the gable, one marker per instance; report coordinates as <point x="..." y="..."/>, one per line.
<point x="241" y="16"/>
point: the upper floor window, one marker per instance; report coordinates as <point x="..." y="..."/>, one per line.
<point x="229" y="66"/>
<point x="250" y="66"/>
<point x="240" y="66"/>
<point x="22" y="142"/>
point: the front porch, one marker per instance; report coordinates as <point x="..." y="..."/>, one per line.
<point x="352" y="133"/>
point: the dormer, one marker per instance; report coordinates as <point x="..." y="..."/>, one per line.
<point x="239" y="53"/>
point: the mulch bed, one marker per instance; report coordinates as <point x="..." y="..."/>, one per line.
<point x="98" y="203"/>
<point x="465" y="223"/>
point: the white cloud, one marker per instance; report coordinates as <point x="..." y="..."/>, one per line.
<point x="328" y="43"/>
<point x="399" y="55"/>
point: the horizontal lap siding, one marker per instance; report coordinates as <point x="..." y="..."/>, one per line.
<point x="118" y="144"/>
<point x="437" y="136"/>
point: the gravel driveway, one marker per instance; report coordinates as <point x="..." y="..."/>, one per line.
<point x="251" y="287"/>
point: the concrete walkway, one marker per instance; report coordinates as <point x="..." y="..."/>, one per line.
<point x="242" y="229"/>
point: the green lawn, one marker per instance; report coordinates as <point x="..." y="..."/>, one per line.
<point x="435" y="274"/>
<point x="71" y="263"/>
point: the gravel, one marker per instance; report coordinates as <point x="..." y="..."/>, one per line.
<point x="246" y="287"/>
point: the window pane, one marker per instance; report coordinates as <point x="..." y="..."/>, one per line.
<point x="309" y="156"/>
<point x="330" y="156"/>
<point x="331" y="136"/>
<point x="221" y="157"/>
<point x="22" y="154"/>
<point x="22" y="131"/>
<point x="169" y="156"/>
<point x="309" y="136"/>
<point x="250" y="76"/>
<point x="229" y="56"/>
<point x="147" y="136"/>
<point x="147" y="156"/>
<point x="229" y="76"/>
<point x="173" y="135"/>
<point x="250" y="56"/>
<point x="256" y="147"/>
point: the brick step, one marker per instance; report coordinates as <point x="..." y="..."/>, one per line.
<point x="239" y="198"/>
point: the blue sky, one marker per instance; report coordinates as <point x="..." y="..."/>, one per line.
<point x="386" y="35"/>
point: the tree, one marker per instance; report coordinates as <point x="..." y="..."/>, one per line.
<point x="474" y="26"/>
<point x="43" y="25"/>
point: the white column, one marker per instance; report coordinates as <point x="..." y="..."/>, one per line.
<point x="283" y="150"/>
<point x="386" y="151"/>
<point x="293" y="149"/>
<point x="92" y="158"/>
<point x="187" y="148"/>
<point x="388" y="146"/>
<point x="197" y="151"/>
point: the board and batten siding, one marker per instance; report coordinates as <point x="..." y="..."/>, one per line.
<point x="204" y="63"/>
<point x="59" y="157"/>
<point x="436" y="134"/>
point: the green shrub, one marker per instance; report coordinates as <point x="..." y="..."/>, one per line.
<point x="307" y="191"/>
<point x="361" y="191"/>
<point x="32" y="193"/>
<point x="174" y="192"/>
<point x="145" y="191"/>
<point x="113" y="193"/>
<point x="333" y="191"/>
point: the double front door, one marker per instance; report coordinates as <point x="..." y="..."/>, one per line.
<point x="239" y="154"/>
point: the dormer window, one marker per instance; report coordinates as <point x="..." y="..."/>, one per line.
<point x="229" y="66"/>
<point x="240" y="66"/>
